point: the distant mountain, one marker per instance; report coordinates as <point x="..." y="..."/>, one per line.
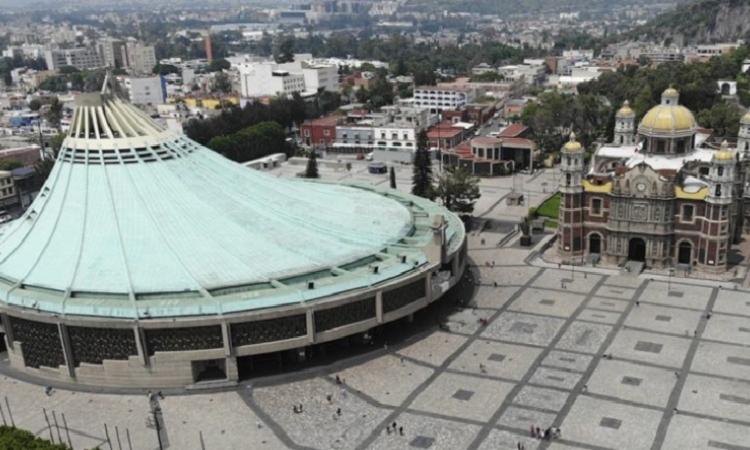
<point x="700" y="22"/>
<point x="509" y="7"/>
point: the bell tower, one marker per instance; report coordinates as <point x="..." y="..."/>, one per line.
<point x="570" y="230"/>
<point x="716" y="231"/>
<point x="625" y="125"/>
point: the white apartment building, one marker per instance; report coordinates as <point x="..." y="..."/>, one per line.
<point x="145" y="90"/>
<point x="82" y="58"/>
<point x="320" y="76"/>
<point x="31" y="51"/>
<point x="437" y="99"/>
<point x="303" y="75"/>
<point x="395" y="132"/>
<point x="267" y="79"/>
<point x="141" y="58"/>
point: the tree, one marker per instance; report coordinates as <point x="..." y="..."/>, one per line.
<point x="222" y="83"/>
<point x="43" y="168"/>
<point x="311" y="171"/>
<point x="723" y="118"/>
<point x="284" y="51"/>
<point x="35" y="104"/>
<point x="10" y="164"/>
<point x="13" y="438"/>
<point x="422" y="172"/>
<point x="165" y="69"/>
<point x="458" y="190"/>
<point x="393" y="178"/>
<point x="54" y="114"/>
<point x="219" y="64"/>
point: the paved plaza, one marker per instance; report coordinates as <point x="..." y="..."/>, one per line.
<point x="614" y="361"/>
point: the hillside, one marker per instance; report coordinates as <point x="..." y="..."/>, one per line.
<point x="700" y="22"/>
<point x="511" y="7"/>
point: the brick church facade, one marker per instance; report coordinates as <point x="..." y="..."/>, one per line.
<point x="657" y="194"/>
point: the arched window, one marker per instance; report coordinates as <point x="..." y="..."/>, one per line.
<point x="718" y="190"/>
<point x="567" y="160"/>
<point x="567" y="179"/>
<point x="721" y="171"/>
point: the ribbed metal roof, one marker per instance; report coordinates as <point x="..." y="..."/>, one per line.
<point x="135" y="218"/>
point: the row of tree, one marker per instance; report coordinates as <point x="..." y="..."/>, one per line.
<point x="253" y="142"/>
<point x="287" y="112"/>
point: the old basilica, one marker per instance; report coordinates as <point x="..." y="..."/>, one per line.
<point x="659" y="194"/>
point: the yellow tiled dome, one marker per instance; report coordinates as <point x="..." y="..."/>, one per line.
<point x="572" y="145"/>
<point x="626" y="110"/>
<point x="668" y="118"/>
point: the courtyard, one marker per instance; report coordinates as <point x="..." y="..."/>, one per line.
<point x="614" y="361"/>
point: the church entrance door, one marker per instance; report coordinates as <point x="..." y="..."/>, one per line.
<point x="595" y="244"/>
<point x="637" y="250"/>
<point x="685" y="253"/>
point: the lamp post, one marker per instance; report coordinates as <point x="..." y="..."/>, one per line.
<point x="669" y="280"/>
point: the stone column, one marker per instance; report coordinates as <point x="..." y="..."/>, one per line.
<point x="67" y="350"/>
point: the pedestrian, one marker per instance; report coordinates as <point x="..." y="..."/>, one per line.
<point x="538" y="432"/>
<point x="394" y="426"/>
<point x="150" y="395"/>
<point x="48" y="390"/>
<point x="548" y="433"/>
<point x="531" y="431"/>
<point x="300" y="408"/>
<point x="482" y="368"/>
<point x="401" y="431"/>
<point x="338" y="379"/>
<point x="161" y="396"/>
<point x="388" y="430"/>
<point x="294" y="409"/>
<point x="338" y="411"/>
<point x="329" y="397"/>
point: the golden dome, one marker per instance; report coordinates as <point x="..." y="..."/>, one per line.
<point x="572" y="145"/>
<point x="625" y="110"/>
<point x="724" y="155"/>
<point x="668" y="119"/>
<point x="670" y="92"/>
<point x="745" y="118"/>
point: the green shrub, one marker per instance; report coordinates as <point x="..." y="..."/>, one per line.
<point x="15" y="439"/>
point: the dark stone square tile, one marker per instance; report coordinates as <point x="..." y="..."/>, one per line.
<point x="609" y="422"/>
<point x="422" y="442"/>
<point x="463" y="394"/>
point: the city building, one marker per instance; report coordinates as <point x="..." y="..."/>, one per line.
<point x="319" y="133"/>
<point x="113" y="52"/>
<point x="266" y="79"/>
<point x="150" y="261"/>
<point x="145" y="90"/>
<point x="8" y="196"/>
<point x="395" y="131"/>
<point x="487" y="156"/>
<point x="354" y="138"/>
<point x="303" y="75"/>
<point x="659" y="195"/>
<point x="440" y="98"/>
<point x="82" y="58"/>
<point x="141" y="58"/>
<point x="320" y="77"/>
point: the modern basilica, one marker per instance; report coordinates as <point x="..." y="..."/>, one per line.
<point x="658" y="195"/>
